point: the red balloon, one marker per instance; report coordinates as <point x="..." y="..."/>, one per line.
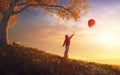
<point x="91" y="22"/>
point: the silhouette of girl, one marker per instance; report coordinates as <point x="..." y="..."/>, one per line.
<point x="66" y="43"/>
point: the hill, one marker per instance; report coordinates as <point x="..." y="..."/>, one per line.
<point x="18" y="60"/>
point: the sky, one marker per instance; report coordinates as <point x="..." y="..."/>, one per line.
<point x="100" y="43"/>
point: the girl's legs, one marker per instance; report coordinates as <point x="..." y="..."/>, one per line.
<point x="66" y="52"/>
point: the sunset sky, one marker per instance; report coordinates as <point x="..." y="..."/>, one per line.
<point x="100" y="43"/>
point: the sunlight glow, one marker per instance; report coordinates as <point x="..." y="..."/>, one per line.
<point x="108" y="38"/>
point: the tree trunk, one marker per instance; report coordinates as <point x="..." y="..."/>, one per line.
<point x="3" y="30"/>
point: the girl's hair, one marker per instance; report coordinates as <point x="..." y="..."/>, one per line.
<point x="66" y="36"/>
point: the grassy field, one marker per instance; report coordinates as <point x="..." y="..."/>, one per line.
<point x="18" y="60"/>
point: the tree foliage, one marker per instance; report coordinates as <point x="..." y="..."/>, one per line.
<point x="66" y="9"/>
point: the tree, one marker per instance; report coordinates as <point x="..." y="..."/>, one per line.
<point x="65" y="9"/>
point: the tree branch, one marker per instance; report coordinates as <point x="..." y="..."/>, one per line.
<point x="8" y="1"/>
<point x="23" y="3"/>
<point x="19" y="11"/>
<point x="1" y="12"/>
<point x="58" y="6"/>
<point x="13" y="3"/>
<point x="32" y="5"/>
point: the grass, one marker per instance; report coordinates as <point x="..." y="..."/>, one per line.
<point x="18" y="60"/>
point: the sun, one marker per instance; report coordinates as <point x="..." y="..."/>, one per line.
<point x="108" y="38"/>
